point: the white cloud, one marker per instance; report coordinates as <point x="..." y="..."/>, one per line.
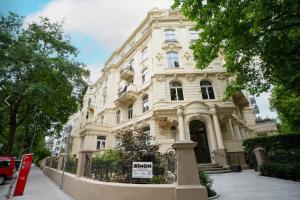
<point x="110" y="22"/>
<point x="95" y="72"/>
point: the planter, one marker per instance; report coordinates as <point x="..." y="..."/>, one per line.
<point x="235" y="168"/>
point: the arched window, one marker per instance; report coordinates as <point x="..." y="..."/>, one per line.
<point x="173" y="61"/>
<point x="145" y="103"/>
<point x="176" y="91"/>
<point x="207" y="90"/>
<point x="129" y="112"/>
<point x="170" y="35"/>
<point x="118" y="116"/>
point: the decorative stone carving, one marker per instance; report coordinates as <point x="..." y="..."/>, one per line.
<point x="171" y="46"/>
<point x="221" y="76"/>
<point x="160" y="77"/>
<point x="191" y="77"/>
<point x="158" y="56"/>
<point x="187" y="55"/>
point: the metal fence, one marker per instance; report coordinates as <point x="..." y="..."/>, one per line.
<point x="54" y="163"/>
<point x="164" y="169"/>
<point x="71" y="165"/>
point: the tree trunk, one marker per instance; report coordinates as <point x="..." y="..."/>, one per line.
<point x="12" y="132"/>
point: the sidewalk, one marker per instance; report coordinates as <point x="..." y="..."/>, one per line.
<point x="248" y="185"/>
<point x="40" y="187"/>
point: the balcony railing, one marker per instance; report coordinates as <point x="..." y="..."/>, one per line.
<point x="127" y="94"/>
<point x="127" y="73"/>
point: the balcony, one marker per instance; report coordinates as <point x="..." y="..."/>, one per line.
<point x="127" y="73"/>
<point x="127" y="95"/>
<point x="240" y="98"/>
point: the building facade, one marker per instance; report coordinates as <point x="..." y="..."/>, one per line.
<point x="151" y="82"/>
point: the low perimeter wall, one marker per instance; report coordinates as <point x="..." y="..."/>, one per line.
<point x="82" y="189"/>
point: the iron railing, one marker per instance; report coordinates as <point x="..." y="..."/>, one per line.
<point x="71" y="165"/>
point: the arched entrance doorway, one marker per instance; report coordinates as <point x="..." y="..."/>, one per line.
<point x="198" y="134"/>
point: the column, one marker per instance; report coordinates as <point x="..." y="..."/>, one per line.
<point x="237" y="130"/>
<point x="212" y="135"/>
<point x="180" y="123"/>
<point x="217" y="128"/>
<point x="231" y="129"/>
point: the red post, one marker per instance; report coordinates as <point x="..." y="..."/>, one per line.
<point x="23" y="174"/>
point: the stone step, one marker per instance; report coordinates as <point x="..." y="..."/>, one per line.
<point x="218" y="171"/>
<point x="207" y="164"/>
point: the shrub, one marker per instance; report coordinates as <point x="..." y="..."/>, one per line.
<point x="289" y="171"/>
<point x="283" y="155"/>
<point x="206" y="181"/>
<point x="269" y="143"/>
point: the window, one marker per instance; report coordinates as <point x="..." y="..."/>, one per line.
<point x="173" y="132"/>
<point x="131" y="63"/>
<point x="87" y="115"/>
<point x="90" y="102"/>
<point x="173" y="61"/>
<point x="145" y="103"/>
<point x="170" y="35"/>
<point x="129" y="112"/>
<point x="145" y="75"/>
<point x="176" y="91"/>
<point x="145" y="54"/>
<point x="118" y="117"/>
<point x="146" y="130"/>
<point x="101" y="140"/>
<point x="207" y="90"/>
<point x="4" y="163"/>
<point x="194" y="34"/>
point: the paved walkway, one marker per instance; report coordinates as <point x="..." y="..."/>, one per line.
<point x="248" y="185"/>
<point x="40" y="187"/>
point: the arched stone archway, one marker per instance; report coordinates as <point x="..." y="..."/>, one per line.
<point x="198" y="134"/>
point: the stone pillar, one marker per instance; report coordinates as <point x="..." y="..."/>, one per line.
<point x="221" y="157"/>
<point x="84" y="155"/>
<point x="61" y="160"/>
<point x="217" y="128"/>
<point x="211" y="134"/>
<point x="237" y="130"/>
<point x="260" y="155"/>
<point x="51" y="162"/>
<point x="188" y="183"/>
<point x="181" y="124"/>
<point x="231" y="129"/>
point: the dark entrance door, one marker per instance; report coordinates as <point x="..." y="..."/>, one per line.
<point x="198" y="134"/>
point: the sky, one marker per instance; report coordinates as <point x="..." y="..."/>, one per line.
<point x="98" y="27"/>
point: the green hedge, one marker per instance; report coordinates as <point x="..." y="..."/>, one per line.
<point x="283" y="155"/>
<point x="270" y="143"/>
<point x="289" y="171"/>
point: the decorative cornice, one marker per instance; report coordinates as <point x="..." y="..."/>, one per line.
<point x="171" y="46"/>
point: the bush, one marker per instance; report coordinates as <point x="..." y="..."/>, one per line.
<point x="283" y="155"/>
<point x="269" y="143"/>
<point x="206" y="181"/>
<point x="289" y="171"/>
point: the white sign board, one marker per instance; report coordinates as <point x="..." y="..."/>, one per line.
<point x="142" y="170"/>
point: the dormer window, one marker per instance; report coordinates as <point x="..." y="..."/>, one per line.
<point x="170" y="35"/>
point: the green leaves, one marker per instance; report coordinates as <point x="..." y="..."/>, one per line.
<point x="40" y="73"/>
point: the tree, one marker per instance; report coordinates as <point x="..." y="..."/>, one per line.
<point x="287" y="106"/>
<point x="260" y="41"/>
<point x="39" y="74"/>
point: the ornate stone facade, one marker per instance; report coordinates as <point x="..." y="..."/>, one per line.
<point x="151" y="82"/>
